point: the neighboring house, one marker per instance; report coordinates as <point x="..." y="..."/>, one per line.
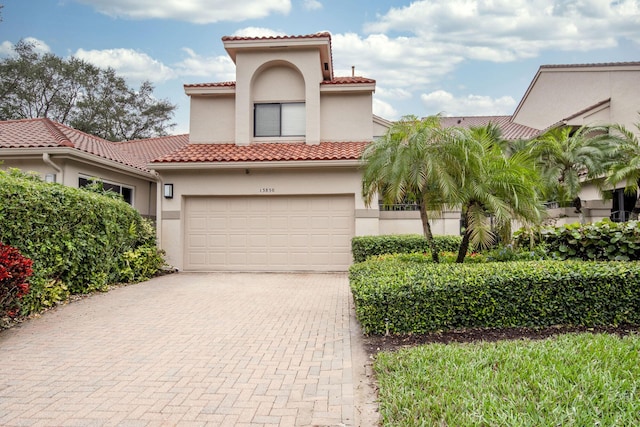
<point x="575" y="95"/>
<point x="271" y="177"/>
<point x="585" y="94"/>
<point x="70" y="157"/>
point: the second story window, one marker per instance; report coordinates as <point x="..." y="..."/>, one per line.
<point x="285" y="119"/>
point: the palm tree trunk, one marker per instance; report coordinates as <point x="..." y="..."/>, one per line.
<point x="464" y="247"/>
<point x="426" y="229"/>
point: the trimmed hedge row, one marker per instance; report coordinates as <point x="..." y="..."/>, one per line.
<point x="363" y="247"/>
<point x="75" y="238"/>
<point x="602" y="241"/>
<point x="392" y="296"/>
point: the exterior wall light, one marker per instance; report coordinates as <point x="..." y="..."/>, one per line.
<point x="168" y="191"/>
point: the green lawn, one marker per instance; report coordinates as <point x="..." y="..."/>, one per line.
<point x="570" y="380"/>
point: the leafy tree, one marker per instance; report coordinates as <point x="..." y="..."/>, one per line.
<point x="73" y="92"/>
<point x="567" y="155"/>
<point x="494" y="188"/>
<point x="410" y="162"/>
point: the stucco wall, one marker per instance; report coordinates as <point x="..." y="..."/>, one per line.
<point x="346" y="117"/>
<point x="257" y="182"/>
<point x="212" y="119"/>
<point x="251" y="66"/>
<point x="560" y="93"/>
<point x="278" y="83"/>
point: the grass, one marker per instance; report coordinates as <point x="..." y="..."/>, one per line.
<point x="569" y="380"/>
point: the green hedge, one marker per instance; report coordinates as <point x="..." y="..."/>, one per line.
<point x="407" y="297"/>
<point x="603" y="241"/>
<point x="75" y="238"/>
<point x="363" y="247"/>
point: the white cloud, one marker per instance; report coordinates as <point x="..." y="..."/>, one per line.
<point x="446" y="103"/>
<point x="312" y="4"/>
<point x="401" y="62"/>
<point x="8" y="49"/>
<point x="507" y="30"/>
<point x="195" y="11"/>
<point x="128" y="63"/>
<point x="257" y="32"/>
<point x="384" y="110"/>
<point x="214" y="68"/>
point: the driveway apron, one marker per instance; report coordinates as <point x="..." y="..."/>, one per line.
<point x="237" y="349"/>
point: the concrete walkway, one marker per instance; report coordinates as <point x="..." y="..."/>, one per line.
<point x="209" y="349"/>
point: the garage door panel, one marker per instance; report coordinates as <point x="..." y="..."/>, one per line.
<point x="269" y="233"/>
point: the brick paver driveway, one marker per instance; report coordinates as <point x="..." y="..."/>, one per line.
<point x="188" y="349"/>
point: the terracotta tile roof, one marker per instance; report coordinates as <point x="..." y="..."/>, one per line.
<point x="347" y="80"/>
<point x="31" y="133"/>
<point x="44" y="133"/>
<point x="510" y="130"/>
<point x="335" y="81"/>
<point x="217" y="84"/>
<point x="305" y="36"/>
<point x="603" y="64"/>
<point x="152" y="148"/>
<point x="264" y="152"/>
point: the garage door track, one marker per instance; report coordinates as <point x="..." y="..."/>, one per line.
<point x="243" y="349"/>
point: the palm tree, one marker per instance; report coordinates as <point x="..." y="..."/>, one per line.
<point x="495" y="188"/>
<point x="409" y="162"/>
<point x="567" y="156"/>
<point x="626" y="167"/>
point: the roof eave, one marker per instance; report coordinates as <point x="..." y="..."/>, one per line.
<point x="36" y="152"/>
<point x="210" y="90"/>
<point x="159" y="166"/>
<point x="348" y="87"/>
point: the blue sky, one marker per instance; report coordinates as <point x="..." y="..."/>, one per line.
<point x="456" y="57"/>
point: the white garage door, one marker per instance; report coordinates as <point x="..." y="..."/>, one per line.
<point x="269" y="233"/>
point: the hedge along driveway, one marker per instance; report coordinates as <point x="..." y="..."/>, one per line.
<point x="408" y="297"/>
<point x="74" y="237"/>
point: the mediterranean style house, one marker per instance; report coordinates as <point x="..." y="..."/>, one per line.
<point x="575" y="95"/>
<point x="269" y="176"/>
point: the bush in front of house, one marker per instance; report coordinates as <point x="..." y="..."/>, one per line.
<point x="400" y="297"/>
<point x="603" y="241"/>
<point x="363" y="247"/>
<point x="76" y="239"/>
<point x="15" y="270"/>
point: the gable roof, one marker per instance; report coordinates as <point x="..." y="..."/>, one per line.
<point x="43" y="133"/>
<point x="265" y="152"/>
<point x="510" y="130"/>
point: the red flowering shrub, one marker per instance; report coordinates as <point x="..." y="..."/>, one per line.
<point x="15" y="270"/>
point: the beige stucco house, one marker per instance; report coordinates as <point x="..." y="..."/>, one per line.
<point x="270" y="179"/>
<point x="575" y="95"/>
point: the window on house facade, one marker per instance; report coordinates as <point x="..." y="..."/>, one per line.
<point x="286" y="119"/>
<point x="125" y="192"/>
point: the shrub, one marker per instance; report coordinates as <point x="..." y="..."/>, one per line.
<point x="15" y="270"/>
<point x="76" y="238"/>
<point x="141" y="263"/>
<point x="407" y="297"/>
<point x="363" y="247"/>
<point x="604" y="240"/>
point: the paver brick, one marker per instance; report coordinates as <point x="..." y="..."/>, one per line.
<point x="205" y="349"/>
